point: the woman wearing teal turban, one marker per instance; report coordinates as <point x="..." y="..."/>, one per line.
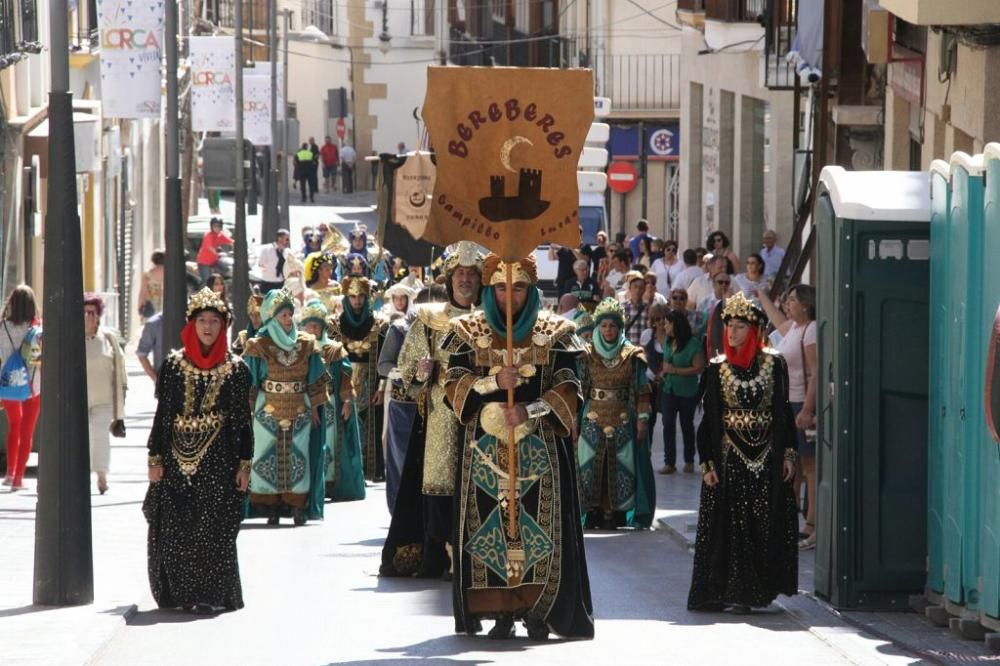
<point x="345" y="473"/>
<point x="291" y="381"/>
<point x="616" y="473"/>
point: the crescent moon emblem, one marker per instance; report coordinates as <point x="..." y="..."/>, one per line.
<point x="507" y="147"/>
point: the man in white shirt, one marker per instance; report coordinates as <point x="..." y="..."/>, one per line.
<point x="689" y="273"/>
<point x="348" y="159"/>
<point x="703" y="287"/>
<point x="668" y="268"/>
<point x="772" y="254"/>
<point x="272" y="260"/>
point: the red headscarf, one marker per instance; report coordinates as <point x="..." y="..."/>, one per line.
<point x="192" y="347"/>
<point x="743" y="355"/>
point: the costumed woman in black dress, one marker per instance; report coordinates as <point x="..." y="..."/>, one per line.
<point x="746" y="551"/>
<point x="200" y="450"/>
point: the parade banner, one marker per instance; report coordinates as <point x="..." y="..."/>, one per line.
<point x="213" y="92"/>
<point x="131" y="33"/>
<point x="507" y="142"/>
<point x="257" y="109"/>
<point x="408" y="184"/>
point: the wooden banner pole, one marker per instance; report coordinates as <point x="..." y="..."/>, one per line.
<point x="512" y="484"/>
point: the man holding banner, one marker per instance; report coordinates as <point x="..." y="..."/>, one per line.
<point x="540" y="576"/>
<point x="508" y="141"/>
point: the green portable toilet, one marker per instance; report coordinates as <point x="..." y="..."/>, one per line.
<point x="989" y="450"/>
<point x="961" y="461"/>
<point x="939" y="390"/>
<point x="873" y="264"/>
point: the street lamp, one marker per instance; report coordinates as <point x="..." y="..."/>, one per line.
<point x="384" y="37"/>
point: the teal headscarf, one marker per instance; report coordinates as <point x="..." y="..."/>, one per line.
<point x="609" y="308"/>
<point x="276" y="301"/>
<point x="314" y="310"/>
<point x="525" y="319"/>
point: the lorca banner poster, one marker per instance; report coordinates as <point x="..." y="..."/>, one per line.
<point x="131" y="44"/>
<point x="507" y="142"/>
<point x="213" y="88"/>
<point x="257" y="109"/>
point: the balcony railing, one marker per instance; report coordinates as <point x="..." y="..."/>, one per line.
<point x="223" y="12"/>
<point x="8" y="34"/>
<point x="691" y="5"/>
<point x="322" y="14"/>
<point x="734" y="11"/>
<point x="639" y="83"/>
<point x="780" y="21"/>
<point x="421" y="18"/>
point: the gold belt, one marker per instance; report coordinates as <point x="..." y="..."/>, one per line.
<point x="400" y="394"/>
<point x="284" y="387"/>
<point x="620" y="394"/>
<point x="746" y="419"/>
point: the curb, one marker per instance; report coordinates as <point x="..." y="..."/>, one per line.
<point x="832" y="634"/>
<point x="125" y="616"/>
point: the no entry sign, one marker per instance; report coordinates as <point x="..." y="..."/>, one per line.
<point x="622" y="177"/>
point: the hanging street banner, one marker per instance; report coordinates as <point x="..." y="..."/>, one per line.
<point x="264" y="69"/>
<point x="257" y="109"/>
<point x="507" y="142"/>
<point x="131" y="34"/>
<point x="213" y="90"/>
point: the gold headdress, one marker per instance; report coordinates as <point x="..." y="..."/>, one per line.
<point x="354" y="285"/>
<point x="275" y="300"/>
<point x="314" y="310"/>
<point x="583" y="320"/>
<point x="495" y="270"/>
<point x="206" y="299"/>
<point x="609" y="308"/>
<point x="253" y="304"/>
<point x="313" y="263"/>
<point x="463" y="253"/>
<point x="740" y="307"/>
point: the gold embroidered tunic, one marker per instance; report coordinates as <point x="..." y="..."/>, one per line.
<point x="363" y="350"/>
<point x="536" y="574"/>
<point x="288" y="384"/>
<point x="423" y="341"/>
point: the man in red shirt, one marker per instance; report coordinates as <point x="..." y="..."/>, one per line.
<point x="208" y="255"/>
<point x="330" y="157"/>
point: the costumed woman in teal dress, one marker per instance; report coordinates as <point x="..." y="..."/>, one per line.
<point x="616" y="474"/>
<point x="291" y="382"/>
<point x="345" y="473"/>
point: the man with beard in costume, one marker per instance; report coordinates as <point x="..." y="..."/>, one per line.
<point x="362" y="331"/>
<point x="746" y="549"/>
<point x="538" y="574"/>
<point x="419" y="536"/>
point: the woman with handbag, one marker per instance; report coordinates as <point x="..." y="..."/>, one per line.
<point x="106" y="386"/>
<point x="797" y="326"/>
<point x="20" y="379"/>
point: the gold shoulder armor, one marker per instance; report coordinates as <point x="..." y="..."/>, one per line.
<point x="433" y="315"/>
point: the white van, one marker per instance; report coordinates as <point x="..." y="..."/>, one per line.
<point x="593" y="218"/>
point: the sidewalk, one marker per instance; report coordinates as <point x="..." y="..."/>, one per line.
<point x="32" y="634"/>
<point x="677" y="499"/>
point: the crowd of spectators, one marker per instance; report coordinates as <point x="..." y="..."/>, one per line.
<point x="673" y="302"/>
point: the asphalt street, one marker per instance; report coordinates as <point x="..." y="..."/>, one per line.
<point x="313" y="597"/>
